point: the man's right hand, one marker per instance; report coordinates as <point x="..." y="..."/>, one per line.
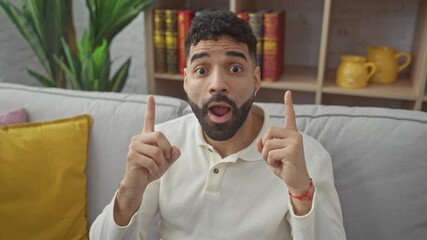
<point x="150" y="156"/>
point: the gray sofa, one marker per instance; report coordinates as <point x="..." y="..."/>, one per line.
<point x="379" y="155"/>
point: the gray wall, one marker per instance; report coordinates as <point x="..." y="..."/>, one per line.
<point x="16" y="56"/>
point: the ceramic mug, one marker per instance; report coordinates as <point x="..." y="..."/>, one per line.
<point x="354" y="71"/>
<point x="386" y="61"/>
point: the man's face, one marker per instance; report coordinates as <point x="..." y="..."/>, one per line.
<point x="220" y="81"/>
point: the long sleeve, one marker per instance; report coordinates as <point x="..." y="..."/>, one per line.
<point x="324" y="221"/>
<point x="105" y="228"/>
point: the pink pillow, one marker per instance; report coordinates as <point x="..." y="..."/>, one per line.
<point x="13" y="117"/>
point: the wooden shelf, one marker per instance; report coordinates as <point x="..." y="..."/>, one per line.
<point x="402" y="89"/>
<point x="316" y="35"/>
<point x="298" y="78"/>
<point x="166" y="76"/>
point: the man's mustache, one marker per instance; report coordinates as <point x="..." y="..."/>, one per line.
<point x="219" y="98"/>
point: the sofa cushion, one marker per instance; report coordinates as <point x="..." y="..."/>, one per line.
<point x="116" y="118"/>
<point x="43" y="183"/>
<point x="379" y="159"/>
<point x="13" y="116"/>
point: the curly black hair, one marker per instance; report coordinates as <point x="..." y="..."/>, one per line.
<point x="210" y="25"/>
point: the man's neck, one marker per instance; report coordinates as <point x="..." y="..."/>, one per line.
<point x="243" y="137"/>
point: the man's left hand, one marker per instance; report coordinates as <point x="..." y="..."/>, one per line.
<point x="283" y="150"/>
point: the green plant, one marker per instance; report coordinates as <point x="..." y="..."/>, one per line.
<point x="86" y="64"/>
<point x="43" y="25"/>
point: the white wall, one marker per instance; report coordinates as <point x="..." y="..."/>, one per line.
<point x="16" y="56"/>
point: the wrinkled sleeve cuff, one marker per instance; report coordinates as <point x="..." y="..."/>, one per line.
<point x="116" y="231"/>
<point x="305" y="221"/>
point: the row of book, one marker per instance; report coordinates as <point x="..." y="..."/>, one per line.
<point x="172" y="25"/>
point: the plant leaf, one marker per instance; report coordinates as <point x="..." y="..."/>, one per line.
<point x="119" y="79"/>
<point x="99" y="56"/>
<point x="87" y="75"/>
<point x="101" y="62"/>
<point x="43" y="80"/>
<point x="112" y="16"/>
<point x="72" y="70"/>
<point x="34" y="15"/>
<point x="70" y="76"/>
<point x="28" y="32"/>
<point x="85" y="46"/>
<point x="55" y="28"/>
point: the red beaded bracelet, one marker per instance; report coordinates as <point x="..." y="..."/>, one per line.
<point x="306" y="194"/>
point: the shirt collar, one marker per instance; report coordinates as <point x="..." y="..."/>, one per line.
<point x="249" y="153"/>
<point x="200" y="138"/>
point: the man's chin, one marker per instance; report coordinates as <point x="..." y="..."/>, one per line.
<point x="219" y="135"/>
<point x="218" y="131"/>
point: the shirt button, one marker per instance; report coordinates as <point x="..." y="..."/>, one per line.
<point x="216" y="170"/>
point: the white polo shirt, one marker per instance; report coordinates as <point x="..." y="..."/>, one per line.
<point x="203" y="196"/>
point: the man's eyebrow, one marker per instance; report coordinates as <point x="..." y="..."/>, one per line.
<point x="199" y="55"/>
<point x="236" y="54"/>
<point x="227" y="53"/>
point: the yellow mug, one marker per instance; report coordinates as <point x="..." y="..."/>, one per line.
<point x="354" y="71"/>
<point x="386" y="61"/>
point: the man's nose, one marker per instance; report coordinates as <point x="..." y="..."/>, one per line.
<point x="218" y="82"/>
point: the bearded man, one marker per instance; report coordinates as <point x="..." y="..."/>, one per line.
<point x="223" y="172"/>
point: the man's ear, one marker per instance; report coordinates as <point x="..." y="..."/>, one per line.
<point x="185" y="80"/>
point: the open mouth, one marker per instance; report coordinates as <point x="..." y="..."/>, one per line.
<point x="219" y="110"/>
<point x="219" y="113"/>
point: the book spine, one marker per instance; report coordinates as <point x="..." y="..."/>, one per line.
<point x="243" y="15"/>
<point x="255" y="20"/>
<point x="273" y="46"/>
<point x="171" y="41"/>
<point x="159" y="41"/>
<point x="184" y="22"/>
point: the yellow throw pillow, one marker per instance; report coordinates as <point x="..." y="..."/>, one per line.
<point x="43" y="180"/>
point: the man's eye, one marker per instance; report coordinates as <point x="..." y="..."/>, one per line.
<point x="201" y="71"/>
<point x="235" y="69"/>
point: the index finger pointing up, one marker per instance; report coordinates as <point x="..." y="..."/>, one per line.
<point x="290" y="122"/>
<point x="150" y="115"/>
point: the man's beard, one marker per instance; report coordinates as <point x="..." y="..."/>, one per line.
<point x="222" y="131"/>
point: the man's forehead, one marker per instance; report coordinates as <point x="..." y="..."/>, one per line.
<point x="222" y="44"/>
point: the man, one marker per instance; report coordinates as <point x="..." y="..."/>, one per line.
<point x="223" y="172"/>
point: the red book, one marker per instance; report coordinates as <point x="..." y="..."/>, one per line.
<point x="184" y="20"/>
<point x="273" y="45"/>
<point x="243" y="15"/>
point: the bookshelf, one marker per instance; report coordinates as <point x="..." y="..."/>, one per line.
<point x="317" y="33"/>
